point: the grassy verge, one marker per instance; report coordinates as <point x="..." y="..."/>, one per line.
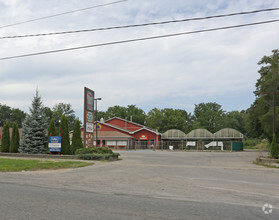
<point x="14" y="165"/>
<point x="266" y="164"/>
<point x="260" y="146"/>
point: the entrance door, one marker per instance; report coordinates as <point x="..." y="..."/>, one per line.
<point x="143" y="144"/>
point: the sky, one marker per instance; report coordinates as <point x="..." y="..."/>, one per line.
<point x="174" y="72"/>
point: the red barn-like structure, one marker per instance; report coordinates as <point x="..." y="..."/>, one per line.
<point x="120" y="134"/>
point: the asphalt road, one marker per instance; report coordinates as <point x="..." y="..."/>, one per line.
<point x="146" y="185"/>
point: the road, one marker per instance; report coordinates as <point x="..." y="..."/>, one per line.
<point x="146" y="185"/>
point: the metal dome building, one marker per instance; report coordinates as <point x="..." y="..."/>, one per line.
<point x="202" y="139"/>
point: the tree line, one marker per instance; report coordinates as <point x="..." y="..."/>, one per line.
<point x="209" y="115"/>
<point x="256" y="121"/>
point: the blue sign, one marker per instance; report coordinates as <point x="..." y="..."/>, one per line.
<point x="54" y="144"/>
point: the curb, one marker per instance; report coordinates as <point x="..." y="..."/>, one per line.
<point x="20" y="155"/>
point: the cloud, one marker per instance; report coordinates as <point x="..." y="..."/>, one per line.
<point x="175" y="72"/>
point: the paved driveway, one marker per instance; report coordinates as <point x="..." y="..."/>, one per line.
<point x="151" y="185"/>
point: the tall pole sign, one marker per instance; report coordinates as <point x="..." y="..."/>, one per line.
<point x="88" y="125"/>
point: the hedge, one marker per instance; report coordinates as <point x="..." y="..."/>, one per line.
<point x="96" y="153"/>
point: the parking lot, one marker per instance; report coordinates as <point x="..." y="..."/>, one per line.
<point x="211" y="183"/>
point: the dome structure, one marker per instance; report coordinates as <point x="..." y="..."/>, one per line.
<point x="173" y="134"/>
<point x="228" y="133"/>
<point x="199" y="134"/>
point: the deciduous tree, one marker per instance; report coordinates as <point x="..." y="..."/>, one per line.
<point x="209" y="116"/>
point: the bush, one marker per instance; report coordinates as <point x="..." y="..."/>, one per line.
<point x="251" y="142"/>
<point x="94" y="150"/>
<point x="96" y="153"/>
<point x="98" y="156"/>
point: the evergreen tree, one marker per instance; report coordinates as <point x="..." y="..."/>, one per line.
<point x="15" y="139"/>
<point x="64" y="131"/>
<point x="34" y="129"/>
<point x="76" y="140"/>
<point x="5" y="138"/>
<point x="52" y="129"/>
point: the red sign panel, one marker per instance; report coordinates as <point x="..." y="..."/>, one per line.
<point x="143" y="137"/>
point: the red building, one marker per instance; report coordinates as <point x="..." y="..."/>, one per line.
<point x="117" y="133"/>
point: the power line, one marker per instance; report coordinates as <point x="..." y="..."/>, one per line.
<point x="63" y="13"/>
<point x="140" y="25"/>
<point x="138" y="39"/>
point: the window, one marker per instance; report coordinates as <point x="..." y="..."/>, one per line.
<point x="152" y="142"/>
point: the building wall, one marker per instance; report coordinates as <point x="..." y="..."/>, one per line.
<point x="145" y="136"/>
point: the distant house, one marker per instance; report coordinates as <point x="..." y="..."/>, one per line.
<point x="118" y="133"/>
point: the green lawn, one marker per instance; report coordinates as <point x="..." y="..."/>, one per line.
<point x="13" y="165"/>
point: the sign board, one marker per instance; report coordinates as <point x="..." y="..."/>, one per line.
<point x="54" y="144"/>
<point x="89" y="127"/>
<point x="99" y="126"/>
<point x="143" y="137"/>
<point x="88" y="123"/>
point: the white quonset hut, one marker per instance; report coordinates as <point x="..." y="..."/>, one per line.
<point x="202" y="139"/>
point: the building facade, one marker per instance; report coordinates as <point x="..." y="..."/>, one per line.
<point x="121" y="134"/>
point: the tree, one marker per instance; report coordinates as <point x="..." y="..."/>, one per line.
<point x="12" y="115"/>
<point x="165" y="119"/>
<point x="274" y="149"/>
<point x="135" y="114"/>
<point x="236" y="120"/>
<point x="66" y="110"/>
<point x="64" y="131"/>
<point x="116" y="111"/>
<point x="76" y="140"/>
<point x="260" y="114"/>
<point x="99" y="115"/>
<point x="15" y="139"/>
<point x="51" y="128"/>
<point x="5" y="114"/>
<point x="5" y="138"/>
<point x="209" y="116"/>
<point x="17" y="116"/>
<point x="48" y="113"/>
<point x="154" y="119"/>
<point x="34" y="129"/>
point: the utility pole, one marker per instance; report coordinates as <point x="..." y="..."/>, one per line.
<point x="274" y="114"/>
<point x="96" y="110"/>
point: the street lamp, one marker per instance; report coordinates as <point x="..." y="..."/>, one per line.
<point x="96" y="99"/>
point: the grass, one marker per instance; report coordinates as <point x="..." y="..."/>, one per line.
<point x="15" y="165"/>
<point x="260" y="146"/>
<point x="265" y="164"/>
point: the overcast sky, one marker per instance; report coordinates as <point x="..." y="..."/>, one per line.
<point x="175" y="72"/>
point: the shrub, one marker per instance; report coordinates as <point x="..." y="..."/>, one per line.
<point x="251" y="142"/>
<point x="94" y="150"/>
<point x="98" y="156"/>
<point x="96" y="153"/>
